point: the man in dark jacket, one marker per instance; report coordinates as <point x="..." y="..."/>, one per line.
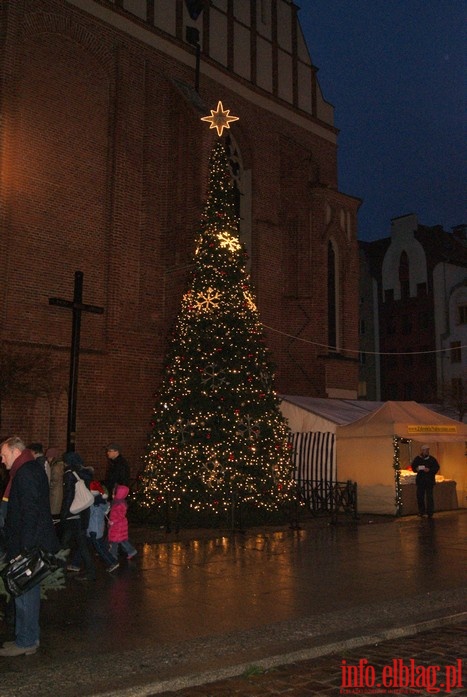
<point x="118" y="471"/>
<point x="28" y="524"/>
<point x="426" y="466"/>
<point x="37" y="450"/>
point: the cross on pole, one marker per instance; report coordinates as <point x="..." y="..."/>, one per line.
<point x="77" y="306"/>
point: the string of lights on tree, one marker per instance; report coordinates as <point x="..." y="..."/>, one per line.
<point x="217" y="431"/>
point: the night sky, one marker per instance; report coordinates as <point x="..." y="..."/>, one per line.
<point x="395" y="72"/>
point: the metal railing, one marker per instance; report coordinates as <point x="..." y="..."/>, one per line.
<point x="329" y="498"/>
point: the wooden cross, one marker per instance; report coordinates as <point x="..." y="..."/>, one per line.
<point x="77" y="306"/>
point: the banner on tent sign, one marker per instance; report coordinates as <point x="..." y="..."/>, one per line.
<point x="429" y="428"/>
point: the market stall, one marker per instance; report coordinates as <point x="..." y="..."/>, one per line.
<point x="376" y="451"/>
<point x="444" y="493"/>
<point x="313" y="422"/>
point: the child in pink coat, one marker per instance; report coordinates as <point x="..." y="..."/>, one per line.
<point x="118" y="523"/>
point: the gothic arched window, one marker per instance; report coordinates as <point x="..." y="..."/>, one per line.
<point x="242" y="186"/>
<point x="333" y="295"/>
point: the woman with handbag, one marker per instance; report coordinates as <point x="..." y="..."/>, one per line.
<point x="74" y="525"/>
<point x="28" y="524"/>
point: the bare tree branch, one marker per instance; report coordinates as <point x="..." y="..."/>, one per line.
<point x="24" y="370"/>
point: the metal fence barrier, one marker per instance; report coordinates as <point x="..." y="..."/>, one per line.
<point x="329" y="498"/>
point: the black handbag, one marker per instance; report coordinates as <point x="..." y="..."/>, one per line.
<point x="28" y="569"/>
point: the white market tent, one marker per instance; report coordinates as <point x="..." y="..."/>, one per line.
<point x="313" y="422"/>
<point x="365" y="451"/>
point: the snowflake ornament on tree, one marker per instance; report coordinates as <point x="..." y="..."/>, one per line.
<point x="208" y="301"/>
<point x="213" y="376"/>
<point x="249" y="428"/>
<point x="229" y="242"/>
<point x="249" y="301"/>
<point x="213" y="473"/>
<point x="182" y="430"/>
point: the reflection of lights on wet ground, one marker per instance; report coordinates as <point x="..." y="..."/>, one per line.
<point x="186" y="590"/>
<point x="233" y="576"/>
<point x="212" y="550"/>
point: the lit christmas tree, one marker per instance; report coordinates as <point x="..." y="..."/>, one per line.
<point x="218" y="435"/>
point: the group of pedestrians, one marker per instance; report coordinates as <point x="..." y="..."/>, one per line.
<point x="107" y="513"/>
<point x="36" y="512"/>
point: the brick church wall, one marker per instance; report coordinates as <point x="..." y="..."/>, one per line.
<point x="104" y="170"/>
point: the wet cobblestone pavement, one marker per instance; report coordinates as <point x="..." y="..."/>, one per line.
<point x="428" y="663"/>
<point x="204" y="606"/>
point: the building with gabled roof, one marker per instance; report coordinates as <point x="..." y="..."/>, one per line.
<point x="418" y="282"/>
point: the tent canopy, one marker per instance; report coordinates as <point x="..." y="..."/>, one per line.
<point x="322" y="414"/>
<point x="406" y="420"/>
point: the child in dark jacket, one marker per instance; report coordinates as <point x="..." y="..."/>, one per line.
<point x="118" y="523"/>
<point x="96" y="527"/>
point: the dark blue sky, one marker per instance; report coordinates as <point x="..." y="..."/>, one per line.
<point x="395" y="72"/>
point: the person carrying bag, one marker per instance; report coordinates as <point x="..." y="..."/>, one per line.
<point x="28" y="526"/>
<point x="83" y="497"/>
<point x="28" y="569"/>
<point x="73" y="523"/>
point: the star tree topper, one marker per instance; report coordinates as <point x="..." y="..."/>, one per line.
<point x="220" y="118"/>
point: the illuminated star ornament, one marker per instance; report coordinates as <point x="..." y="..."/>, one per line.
<point x="220" y="118"/>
